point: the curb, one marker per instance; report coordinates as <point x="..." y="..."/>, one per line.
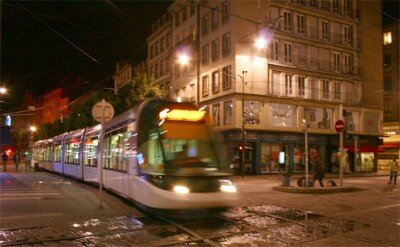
<point x="328" y="190"/>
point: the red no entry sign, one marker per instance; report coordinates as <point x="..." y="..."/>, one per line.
<point x="339" y="125"/>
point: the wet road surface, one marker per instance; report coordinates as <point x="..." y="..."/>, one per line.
<point x="257" y="222"/>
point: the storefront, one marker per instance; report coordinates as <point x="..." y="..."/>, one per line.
<point x="273" y="153"/>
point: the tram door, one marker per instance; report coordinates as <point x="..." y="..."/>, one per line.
<point x="249" y="159"/>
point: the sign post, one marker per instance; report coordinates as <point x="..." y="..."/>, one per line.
<point x="102" y="112"/>
<point x="339" y="127"/>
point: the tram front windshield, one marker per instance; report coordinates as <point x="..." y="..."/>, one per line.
<point x="187" y="145"/>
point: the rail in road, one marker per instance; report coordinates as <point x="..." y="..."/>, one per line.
<point x="253" y="225"/>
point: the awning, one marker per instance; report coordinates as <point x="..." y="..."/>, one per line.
<point x="390" y="145"/>
<point x="365" y="149"/>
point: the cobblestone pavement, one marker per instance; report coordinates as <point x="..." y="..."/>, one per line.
<point x="264" y="217"/>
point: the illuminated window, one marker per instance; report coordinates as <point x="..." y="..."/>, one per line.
<point x="387" y="38"/>
<point x="205" y="85"/>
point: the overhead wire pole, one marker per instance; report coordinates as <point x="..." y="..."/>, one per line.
<point x="198" y="51"/>
<point x="243" y="122"/>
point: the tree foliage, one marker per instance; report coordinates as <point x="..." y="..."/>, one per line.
<point x="137" y="90"/>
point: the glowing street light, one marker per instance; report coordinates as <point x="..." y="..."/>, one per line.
<point x="3" y="90"/>
<point x="261" y="42"/>
<point x="33" y="128"/>
<point x="183" y="59"/>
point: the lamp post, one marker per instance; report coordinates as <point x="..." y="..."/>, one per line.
<point x="243" y="122"/>
<point x="305" y="126"/>
<point x="3" y="90"/>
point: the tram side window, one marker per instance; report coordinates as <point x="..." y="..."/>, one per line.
<point x="117" y="145"/>
<point x="71" y="154"/>
<point x="152" y="153"/>
<point x="90" y="151"/>
<point x="47" y="153"/>
<point x="57" y="153"/>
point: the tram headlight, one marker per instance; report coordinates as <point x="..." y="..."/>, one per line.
<point x="227" y="186"/>
<point x="181" y="189"/>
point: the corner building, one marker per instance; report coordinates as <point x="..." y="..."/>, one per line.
<point x="319" y="61"/>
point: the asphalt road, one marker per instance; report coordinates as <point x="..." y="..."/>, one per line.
<point x="43" y="209"/>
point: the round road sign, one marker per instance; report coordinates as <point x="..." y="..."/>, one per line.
<point x="339" y="125"/>
<point x="103" y="110"/>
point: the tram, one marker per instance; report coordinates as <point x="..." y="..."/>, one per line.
<point x="159" y="154"/>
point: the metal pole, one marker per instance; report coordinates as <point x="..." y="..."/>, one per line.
<point x="341" y="147"/>
<point x="101" y="155"/>
<point x="355" y="153"/>
<point x="243" y="130"/>
<point x="198" y="52"/>
<point x="306" y="151"/>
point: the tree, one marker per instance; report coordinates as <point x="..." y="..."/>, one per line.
<point x="137" y="90"/>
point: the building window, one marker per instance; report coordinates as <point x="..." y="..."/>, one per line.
<point x="228" y="112"/>
<point x="325" y="30"/>
<point x="387" y="83"/>
<point x="216" y="114"/>
<point x="225" y="12"/>
<point x="215" y="50"/>
<point x="192" y="8"/>
<point x="162" y="44"/>
<point x="205" y="25"/>
<point x="288" y="52"/>
<point x="184" y="14"/>
<point x="325" y="5"/>
<point x="226" y="77"/>
<point x="325" y="89"/>
<point x="167" y="40"/>
<point x="162" y="67"/>
<point x="348" y="7"/>
<point x="336" y="62"/>
<point x="387" y="38"/>
<point x="337" y="90"/>
<point x="205" y="85"/>
<point x="288" y="85"/>
<point x="226" y="44"/>
<point x="301" y="80"/>
<point x="288" y="22"/>
<point x="177" y="19"/>
<point x="301" y="24"/>
<point x="151" y="51"/>
<point x="205" y="56"/>
<point x="313" y="3"/>
<point x="348" y="64"/>
<point x="215" y="82"/>
<point x="215" y="18"/>
<point x="348" y="35"/>
<point x="336" y="6"/>
<point x="274" y="50"/>
<point x="387" y="61"/>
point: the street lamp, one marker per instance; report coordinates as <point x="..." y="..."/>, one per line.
<point x="304" y="125"/>
<point x="3" y="90"/>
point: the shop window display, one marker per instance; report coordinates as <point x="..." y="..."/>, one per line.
<point x="282" y="115"/>
<point x="252" y="112"/>
<point x="319" y="118"/>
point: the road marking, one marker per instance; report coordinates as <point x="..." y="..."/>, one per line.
<point x="31" y="216"/>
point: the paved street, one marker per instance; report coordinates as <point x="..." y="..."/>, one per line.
<point x="43" y="209"/>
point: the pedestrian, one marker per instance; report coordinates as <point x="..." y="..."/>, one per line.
<point x="318" y="171"/>
<point x="394" y="167"/>
<point x="17" y="159"/>
<point x="27" y="162"/>
<point x="4" y="158"/>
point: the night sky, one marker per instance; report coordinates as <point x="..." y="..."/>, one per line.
<point x="35" y="57"/>
<point x="35" y="53"/>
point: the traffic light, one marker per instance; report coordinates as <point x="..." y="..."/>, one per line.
<point x="241" y="148"/>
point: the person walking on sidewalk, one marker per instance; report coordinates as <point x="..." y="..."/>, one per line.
<point x="4" y="158"/>
<point x="27" y="162"/>
<point x="17" y="159"/>
<point x="394" y="167"/>
<point x="318" y="171"/>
